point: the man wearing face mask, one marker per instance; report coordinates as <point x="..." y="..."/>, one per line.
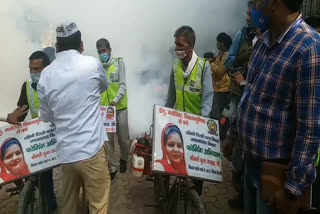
<point x="115" y="95"/>
<point x="37" y="62"/>
<point x="278" y="114"/>
<point x="28" y="97"/>
<point x="190" y="86"/>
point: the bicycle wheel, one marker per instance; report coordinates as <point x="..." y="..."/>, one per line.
<point x="161" y="187"/>
<point x="33" y="199"/>
<point x="183" y="201"/>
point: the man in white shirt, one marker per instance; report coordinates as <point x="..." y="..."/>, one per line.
<point x="69" y="94"/>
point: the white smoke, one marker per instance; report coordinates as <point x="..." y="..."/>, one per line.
<point x="140" y="31"/>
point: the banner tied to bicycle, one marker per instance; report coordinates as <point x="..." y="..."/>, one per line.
<point x="186" y="144"/>
<point x="27" y="149"/>
<point x="31" y="148"/>
<point x="108" y="114"/>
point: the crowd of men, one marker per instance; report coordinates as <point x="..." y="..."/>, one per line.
<point x="265" y="82"/>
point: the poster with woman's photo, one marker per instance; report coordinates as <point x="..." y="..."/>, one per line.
<point x="108" y="114"/>
<point x="27" y="149"/>
<point x="186" y="144"/>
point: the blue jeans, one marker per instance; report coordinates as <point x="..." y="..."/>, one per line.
<point x="253" y="204"/>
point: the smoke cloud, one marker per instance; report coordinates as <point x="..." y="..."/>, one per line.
<point x="139" y="31"/>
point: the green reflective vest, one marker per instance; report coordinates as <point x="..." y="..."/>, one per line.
<point x="189" y="91"/>
<point x="113" y="77"/>
<point x="318" y="160"/>
<point x="33" y="101"/>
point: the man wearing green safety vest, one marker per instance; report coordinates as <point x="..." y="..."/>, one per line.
<point x="190" y="87"/>
<point x="28" y="97"/>
<point x="115" y="95"/>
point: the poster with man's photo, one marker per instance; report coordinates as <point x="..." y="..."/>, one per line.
<point x="108" y="114"/>
<point x="186" y="144"/>
<point x="27" y="149"/>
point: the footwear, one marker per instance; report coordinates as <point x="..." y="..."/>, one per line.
<point x="113" y="175"/>
<point x="236" y="202"/>
<point x="123" y="166"/>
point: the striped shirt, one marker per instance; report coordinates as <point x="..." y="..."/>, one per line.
<point x="279" y="112"/>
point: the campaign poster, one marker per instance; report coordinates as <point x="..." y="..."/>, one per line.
<point x="27" y="149"/>
<point x="186" y="144"/>
<point x="108" y="114"/>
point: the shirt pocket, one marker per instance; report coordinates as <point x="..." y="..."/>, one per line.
<point x="274" y="82"/>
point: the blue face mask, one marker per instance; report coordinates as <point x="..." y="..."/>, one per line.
<point x="104" y="57"/>
<point x="258" y="19"/>
<point x="35" y="77"/>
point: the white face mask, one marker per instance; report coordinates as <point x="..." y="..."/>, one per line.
<point x="181" y="54"/>
<point x="35" y="77"/>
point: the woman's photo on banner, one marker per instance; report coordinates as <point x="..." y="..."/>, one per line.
<point x="110" y="113"/>
<point x="173" y="160"/>
<point x="13" y="164"/>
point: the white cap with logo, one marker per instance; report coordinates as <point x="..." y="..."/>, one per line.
<point x="66" y="29"/>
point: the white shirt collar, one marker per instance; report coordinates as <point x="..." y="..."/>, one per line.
<point x="191" y="64"/>
<point x="72" y="51"/>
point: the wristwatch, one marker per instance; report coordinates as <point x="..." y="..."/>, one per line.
<point x="243" y="83"/>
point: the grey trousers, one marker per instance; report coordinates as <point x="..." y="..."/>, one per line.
<point x="122" y="136"/>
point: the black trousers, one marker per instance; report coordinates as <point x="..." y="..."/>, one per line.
<point x="316" y="191"/>
<point x="48" y="184"/>
<point x="198" y="184"/>
<point x="220" y="101"/>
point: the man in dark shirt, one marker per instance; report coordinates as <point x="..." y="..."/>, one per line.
<point x="23" y="99"/>
<point x="28" y="97"/>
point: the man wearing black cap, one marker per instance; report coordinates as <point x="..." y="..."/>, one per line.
<point x="69" y="94"/>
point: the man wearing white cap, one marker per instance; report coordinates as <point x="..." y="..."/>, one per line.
<point x="69" y="94"/>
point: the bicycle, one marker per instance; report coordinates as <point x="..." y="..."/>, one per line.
<point x="32" y="195"/>
<point x="181" y="197"/>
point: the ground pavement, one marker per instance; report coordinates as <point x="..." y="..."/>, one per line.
<point x="131" y="195"/>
